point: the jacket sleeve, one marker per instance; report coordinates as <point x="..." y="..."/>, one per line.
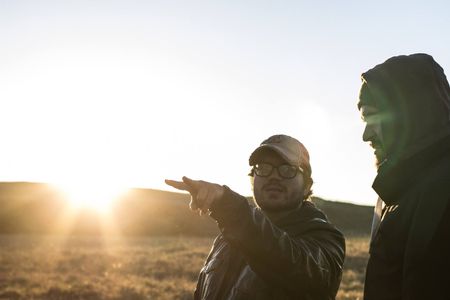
<point x="303" y="259"/>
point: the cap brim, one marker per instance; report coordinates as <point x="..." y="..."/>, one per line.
<point x="258" y="151"/>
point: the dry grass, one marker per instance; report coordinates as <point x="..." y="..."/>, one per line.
<point x="354" y="268"/>
<point x="131" y="268"/>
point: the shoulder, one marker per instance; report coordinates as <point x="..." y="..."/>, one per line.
<point x="309" y="219"/>
<point x="310" y="210"/>
<point x="431" y="211"/>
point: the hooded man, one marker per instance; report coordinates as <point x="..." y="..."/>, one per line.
<point x="282" y="249"/>
<point x="405" y="103"/>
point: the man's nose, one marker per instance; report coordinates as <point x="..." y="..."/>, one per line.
<point x="275" y="174"/>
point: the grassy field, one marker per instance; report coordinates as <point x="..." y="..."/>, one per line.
<point x="47" y="267"/>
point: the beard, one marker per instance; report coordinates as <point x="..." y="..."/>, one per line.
<point x="380" y="155"/>
<point x="276" y="203"/>
<point x="380" y="158"/>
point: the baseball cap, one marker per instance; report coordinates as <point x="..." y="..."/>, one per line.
<point x="289" y="148"/>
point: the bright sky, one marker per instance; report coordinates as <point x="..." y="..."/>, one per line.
<point x="128" y="93"/>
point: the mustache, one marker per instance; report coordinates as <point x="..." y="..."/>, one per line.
<point x="375" y="144"/>
<point x="274" y="184"/>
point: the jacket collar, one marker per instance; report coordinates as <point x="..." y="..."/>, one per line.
<point x="394" y="178"/>
<point x="304" y="213"/>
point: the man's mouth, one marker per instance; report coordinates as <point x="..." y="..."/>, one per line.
<point x="274" y="188"/>
<point x="375" y="145"/>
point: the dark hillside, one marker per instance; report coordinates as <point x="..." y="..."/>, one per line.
<point x="39" y="208"/>
<point x="352" y="219"/>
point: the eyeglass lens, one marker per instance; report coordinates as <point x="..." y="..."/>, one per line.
<point x="285" y="171"/>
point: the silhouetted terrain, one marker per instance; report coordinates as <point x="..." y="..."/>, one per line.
<point x="40" y="208"/>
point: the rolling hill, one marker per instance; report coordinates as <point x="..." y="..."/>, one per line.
<point x="39" y="208"/>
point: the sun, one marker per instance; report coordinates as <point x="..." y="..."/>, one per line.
<point x="95" y="196"/>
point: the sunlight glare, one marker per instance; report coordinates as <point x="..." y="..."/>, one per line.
<point x="93" y="196"/>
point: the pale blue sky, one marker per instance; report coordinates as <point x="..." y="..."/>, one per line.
<point x="127" y="93"/>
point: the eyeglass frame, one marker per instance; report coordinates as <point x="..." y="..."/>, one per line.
<point x="297" y="170"/>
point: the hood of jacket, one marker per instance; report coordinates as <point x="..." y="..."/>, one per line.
<point x="413" y="95"/>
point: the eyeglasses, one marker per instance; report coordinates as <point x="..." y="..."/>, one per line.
<point x="285" y="171"/>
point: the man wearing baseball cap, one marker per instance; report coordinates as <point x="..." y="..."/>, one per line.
<point x="282" y="248"/>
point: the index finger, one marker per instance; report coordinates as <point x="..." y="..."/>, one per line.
<point x="179" y="185"/>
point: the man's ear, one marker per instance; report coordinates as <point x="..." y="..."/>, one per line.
<point x="252" y="182"/>
<point x="308" y="184"/>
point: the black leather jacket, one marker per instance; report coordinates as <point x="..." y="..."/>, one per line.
<point x="300" y="256"/>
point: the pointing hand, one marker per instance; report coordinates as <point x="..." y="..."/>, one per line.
<point x="203" y="193"/>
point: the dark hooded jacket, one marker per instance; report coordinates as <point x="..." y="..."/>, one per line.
<point x="300" y="256"/>
<point x="410" y="252"/>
